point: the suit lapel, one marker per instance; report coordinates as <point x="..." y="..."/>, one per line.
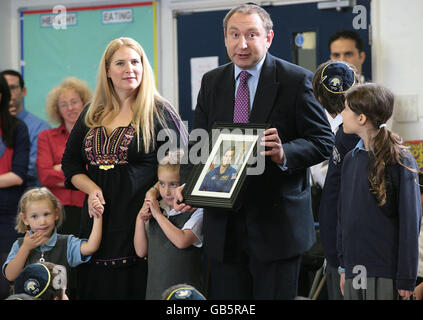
<point x="266" y="92"/>
<point x="225" y="96"/>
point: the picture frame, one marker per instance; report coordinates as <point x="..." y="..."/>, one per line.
<point x="218" y="181"/>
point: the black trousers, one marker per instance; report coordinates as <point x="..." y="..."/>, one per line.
<point x="241" y="276"/>
<point x="254" y="280"/>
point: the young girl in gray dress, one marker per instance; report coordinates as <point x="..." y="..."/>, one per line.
<point x="174" y="238"/>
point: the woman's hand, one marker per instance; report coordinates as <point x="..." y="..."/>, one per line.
<point x="96" y="203"/>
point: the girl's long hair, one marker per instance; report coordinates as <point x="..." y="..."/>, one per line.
<point x="8" y="122"/>
<point x="376" y="103"/>
<point x="147" y="103"/>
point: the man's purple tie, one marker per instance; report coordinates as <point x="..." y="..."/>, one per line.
<point x="242" y="99"/>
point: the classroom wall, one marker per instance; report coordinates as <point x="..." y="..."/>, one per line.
<point x="9" y="16"/>
<point x="396" y="45"/>
<point x="397" y="61"/>
<point x="5" y="34"/>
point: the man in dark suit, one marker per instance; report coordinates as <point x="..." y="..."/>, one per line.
<point x="255" y="250"/>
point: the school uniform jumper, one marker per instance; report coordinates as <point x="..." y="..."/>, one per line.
<point x="59" y="249"/>
<point x="169" y="265"/>
<point x="382" y="239"/>
<point x="328" y="210"/>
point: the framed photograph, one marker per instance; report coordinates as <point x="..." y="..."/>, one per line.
<point x="233" y="150"/>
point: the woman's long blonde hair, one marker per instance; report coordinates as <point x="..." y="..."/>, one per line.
<point x="146" y="102"/>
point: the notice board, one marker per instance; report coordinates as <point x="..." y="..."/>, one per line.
<point x="63" y="41"/>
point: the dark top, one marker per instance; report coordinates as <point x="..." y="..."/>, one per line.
<point x="328" y="210"/>
<point x="169" y="265"/>
<point x="57" y="255"/>
<point x="382" y="239"/>
<point x="14" y="160"/>
<point x="17" y="162"/>
<point x="130" y="173"/>
<point x="281" y="224"/>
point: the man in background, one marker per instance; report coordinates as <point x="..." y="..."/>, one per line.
<point x="347" y="45"/>
<point x="35" y="125"/>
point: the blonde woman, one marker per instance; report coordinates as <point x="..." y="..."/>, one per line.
<point x="64" y="105"/>
<point x="111" y="156"/>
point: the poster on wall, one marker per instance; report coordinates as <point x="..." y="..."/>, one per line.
<point x="416" y="149"/>
<point x="199" y="66"/>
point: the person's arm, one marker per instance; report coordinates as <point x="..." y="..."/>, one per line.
<point x="315" y="139"/>
<point x="95" y="195"/>
<point x="73" y="162"/>
<point x="418" y="292"/>
<point x="140" y="237"/>
<point x="409" y="215"/>
<point x="10" y="179"/>
<point x="35" y="131"/>
<point x="93" y="243"/>
<point x="49" y="173"/>
<point x="75" y="171"/>
<point x="339" y="247"/>
<point x="342" y="282"/>
<point x="20" y="158"/>
<point x="16" y="265"/>
<point x="153" y="193"/>
<point x="180" y="238"/>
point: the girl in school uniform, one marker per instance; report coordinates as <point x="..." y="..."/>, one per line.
<point x="379" y="206"/>
<point x="39" y="215"/>
<point x="171" y="239"/>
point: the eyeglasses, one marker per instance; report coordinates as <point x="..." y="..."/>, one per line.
<point x="14" y="87"/>
<point x="67" y="105"/>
